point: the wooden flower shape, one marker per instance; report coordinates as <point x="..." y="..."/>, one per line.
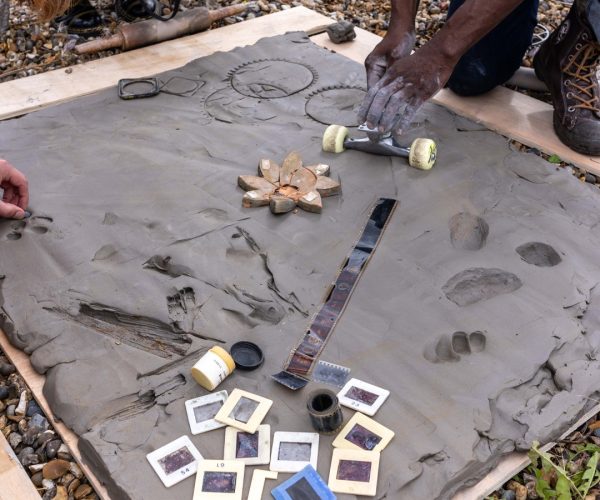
<point x="283" y="188"/>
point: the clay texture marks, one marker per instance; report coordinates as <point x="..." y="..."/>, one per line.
<point x="476" y="284"/>
<point x="150" y="260"/>
<point x="143" y="333"/>
<point x="272" y="78"/>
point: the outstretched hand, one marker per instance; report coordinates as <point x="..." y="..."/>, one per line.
<point x="392" y="102"/>
<point x="16" y="192"/>
<point x="386" y="53"/>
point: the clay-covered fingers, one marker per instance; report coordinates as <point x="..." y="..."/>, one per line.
<point x="376" y="66"/>
<point x="14" y="185"/>
<point x="11" y="211"/>
<point x="374" y="104"/>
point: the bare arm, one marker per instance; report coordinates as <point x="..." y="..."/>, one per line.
<point x="393" y="100"/>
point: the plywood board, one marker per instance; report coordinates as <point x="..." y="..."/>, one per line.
<point x="29" y="94"/>
<point x="507" y="112"/>
<point x="35" y="381"/>
<point x="13" y="478"/>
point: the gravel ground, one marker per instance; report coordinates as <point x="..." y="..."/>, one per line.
<point x="40" y="450"/>
<point x="28" y="47"/>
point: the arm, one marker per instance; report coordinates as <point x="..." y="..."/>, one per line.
<point x="392" y="102"/>
<point x="397" y="43"/>
<point x="16" y="192"/>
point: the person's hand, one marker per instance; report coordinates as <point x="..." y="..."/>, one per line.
<point x="392" y="48"/>
<point x="16" y="192"/>
<point x="391" y="104"/>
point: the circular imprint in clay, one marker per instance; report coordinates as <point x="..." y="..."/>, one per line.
<point x="228" y="106"/>
<point x="272" y="78"/>
<point x="335" y="105"/>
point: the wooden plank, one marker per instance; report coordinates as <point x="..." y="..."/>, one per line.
<point x="14" y="481"/>
<point x="35" y="381"/>
<point x="513" y="464"/>
<point x="505" y="111"/>
<point x="25" y="95"/>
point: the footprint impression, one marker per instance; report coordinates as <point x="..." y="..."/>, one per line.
<point x="452" y="347"/>
<point x="38" y="224"/>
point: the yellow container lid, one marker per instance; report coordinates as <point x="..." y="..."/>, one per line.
<point x="225" y="356"/>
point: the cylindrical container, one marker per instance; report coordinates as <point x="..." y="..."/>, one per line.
<point x="212" y="368"/>
<point x="324" y="411"/>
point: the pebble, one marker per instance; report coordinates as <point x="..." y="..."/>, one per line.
<point x="55" y="468"/>
<point x="31" y="436"/>
<point x="22" y="406"/>
<point x="3" y="392"/>
<point x="52" y="448"/>
<point x="83" y="491"/>
<point x="76" y="470"/>
<point x="39" y="421"/>
<point x="28" y="450"/>
<point x="44" y="437"/>
<point x="73" y="485"/>
<point x="509" y="495"/>
<point x="15" y="439"/>
<point x="34" y="469"/>
<point x="6" y="368"/>
<point x="519" y="490"/>
<point x="37" y="479"/>
<point x="33" y="409"/>
<point x="597" y="433"/>
<point x="31" y="459"/>
<point x="61" y="493"/>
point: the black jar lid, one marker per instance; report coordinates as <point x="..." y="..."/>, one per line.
<point x="247" y="355"/>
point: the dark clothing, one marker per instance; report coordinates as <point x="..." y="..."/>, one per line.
<point x="496" y="57"/>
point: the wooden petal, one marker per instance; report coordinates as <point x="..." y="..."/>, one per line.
<point x="256" y="199"/>
<point x="281" y="204"/>
<point x="269" y="170"/>
<point x="327" y="186"/>
<point x="253" y="182"/>
<point x="311" y="202"/>
<point x="320" y="169"/>
<point x="304" y="180"/>
<point x="291" y="163"/>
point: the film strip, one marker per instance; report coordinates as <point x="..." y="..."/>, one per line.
<point x="302" y="360"/>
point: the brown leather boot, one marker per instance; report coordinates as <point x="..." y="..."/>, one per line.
<point x="569" y="64"/>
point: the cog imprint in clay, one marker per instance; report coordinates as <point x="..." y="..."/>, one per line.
<point x="272" y="78"/>
<point x="335" y="104"/>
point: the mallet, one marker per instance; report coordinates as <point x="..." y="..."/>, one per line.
<point x="421" y="154"/>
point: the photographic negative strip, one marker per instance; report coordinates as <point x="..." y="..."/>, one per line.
<point x="175" y="461"/>
<point x="219" y="479"/>
<point x="354" y="471"/>
<point x="292" y="451"/>
<point x="363" y="397"/>
<point x="363" y="433"/>
<point x="201" y="412"/>
<point x="305" y="485"/>
<point x="244" y="410"/>
<point x="250" y="448"/>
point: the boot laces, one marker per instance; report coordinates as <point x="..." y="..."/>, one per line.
<point x="583" y="67"/>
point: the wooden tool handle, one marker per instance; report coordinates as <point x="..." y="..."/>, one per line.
<point x="113" y="42"/>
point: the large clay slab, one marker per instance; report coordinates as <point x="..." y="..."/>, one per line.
<point x="140" y="257"/>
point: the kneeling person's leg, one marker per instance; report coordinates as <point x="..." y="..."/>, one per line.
<point x="496" y="57"/>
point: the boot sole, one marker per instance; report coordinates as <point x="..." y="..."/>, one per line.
<point x="574" y="142"/>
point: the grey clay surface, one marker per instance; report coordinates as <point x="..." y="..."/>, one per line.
<point x="138" y="257"/>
